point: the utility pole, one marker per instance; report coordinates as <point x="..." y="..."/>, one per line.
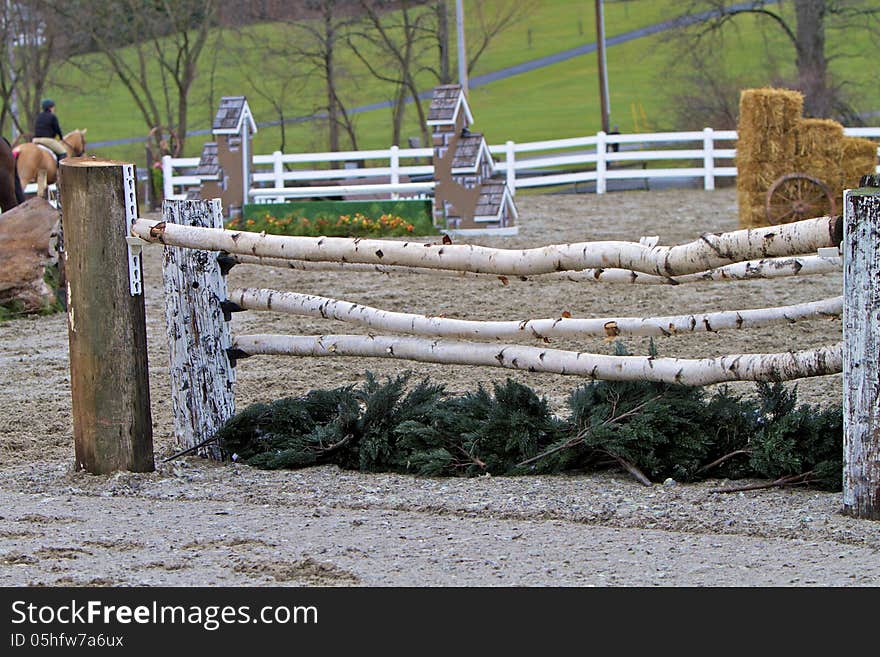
<point x="462" y="58"/>
<point x="603" y="68"/>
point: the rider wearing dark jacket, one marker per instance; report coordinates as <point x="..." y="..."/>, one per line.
<point x="46" y="129"/>
<point x="47" y="122"/>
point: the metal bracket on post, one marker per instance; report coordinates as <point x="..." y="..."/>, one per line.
<point x="136" y="286"/>
<point x="135" y="247"/>
<point x="829" y="252"/>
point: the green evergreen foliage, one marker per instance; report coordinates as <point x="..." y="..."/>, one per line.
<point x="653" y="430"/>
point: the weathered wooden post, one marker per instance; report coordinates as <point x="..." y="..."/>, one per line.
<point x="861" y="364"/>
<point x="196" y="316"/>
<point x="109" y="378"/>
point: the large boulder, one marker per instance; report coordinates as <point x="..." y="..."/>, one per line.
<point x="29" y="255"/>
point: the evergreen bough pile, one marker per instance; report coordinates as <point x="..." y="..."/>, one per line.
<point x="655" y="431"/>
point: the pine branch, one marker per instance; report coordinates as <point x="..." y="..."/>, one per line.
<point x="722" y="459"/>
<point x="580" y="437"/>
<point x="631" y="468"/>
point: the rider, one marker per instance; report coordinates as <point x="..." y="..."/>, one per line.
<point x="46" y="128"/>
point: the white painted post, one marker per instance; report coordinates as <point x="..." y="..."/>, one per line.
<point x="277" y="169"/>
<point x="395" y="170"/>
<point x="202" y="376"/>
<point x="278" y="172"/>
<point x="167" y="174"/>
<point x="600" y="162"/>
<point x="511" y="167"/>
<point x="708" y="159"/>
<point x="861" y="333"/>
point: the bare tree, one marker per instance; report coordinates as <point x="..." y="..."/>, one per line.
<point x="280" y="78"/>
<point x="166" y="39"/>
<point x="805" y="29"/>
<point x="398" y="38"/>
<point x="492" y="19"/>
<point x="29" y="31"/>
<point x="315" y="43"/>
<point x="394" y="46"/>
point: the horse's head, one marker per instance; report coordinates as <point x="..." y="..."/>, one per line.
<point x="76" y="142"/>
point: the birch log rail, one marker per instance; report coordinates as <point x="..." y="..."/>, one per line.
<point x="693" y="372"/>
<point x="805" y="265"/>
<point x="610" y="327"/>
<point x="708" y="252"/>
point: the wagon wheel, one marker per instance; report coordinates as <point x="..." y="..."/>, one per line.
<point x="797" y="196"/>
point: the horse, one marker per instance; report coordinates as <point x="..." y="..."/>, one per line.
<point x="11" y="193"/>
<point x="32" y="158"/>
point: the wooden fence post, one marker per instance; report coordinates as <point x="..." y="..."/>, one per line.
<point x="861" y="369"/>
<point x="202" y="395"/>
<point x="109" y="377"/>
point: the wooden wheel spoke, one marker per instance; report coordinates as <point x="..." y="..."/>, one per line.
<point x="783" y="194"/>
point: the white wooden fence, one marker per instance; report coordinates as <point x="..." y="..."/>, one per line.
<point x="706" y="154"/>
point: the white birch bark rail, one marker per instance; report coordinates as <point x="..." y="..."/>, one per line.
<point x="807" y="265"/>
<point x="610" y="327"/>
<point x="708" y="252"/>
<point x="695" y="372"/>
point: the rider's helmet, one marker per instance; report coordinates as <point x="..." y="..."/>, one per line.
<point x="47" y="103"/>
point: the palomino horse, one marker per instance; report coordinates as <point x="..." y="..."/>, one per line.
<point x="11" y="193"/>
<point x="32" y="158"/>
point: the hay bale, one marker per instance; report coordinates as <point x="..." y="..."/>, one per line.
<point x="859" y="159"/>
<point x="757" y="177"/>
<point x="752" y="208"/>
<point x="819" y="148"/>
<point x="819" y="153"/>
<point x="767" y="119"/>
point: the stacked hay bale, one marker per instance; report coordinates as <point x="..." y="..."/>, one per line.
<point x="774" y="140"/>
<point x="819" y="153"/>
<point x="859" y="159"/>
<point x="765" y="148"/>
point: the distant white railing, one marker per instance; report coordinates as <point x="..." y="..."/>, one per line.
<point x="270" y="175"/>
<point x="597" y="158"/>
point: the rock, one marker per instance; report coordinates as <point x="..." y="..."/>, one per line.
<point x="669" y="481"/>
<point x="28" y="247"/>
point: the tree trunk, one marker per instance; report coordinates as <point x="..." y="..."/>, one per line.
<point x="443" y="42"/>
<point x="376" y="319"/>
<point x="330" y="79"/>
<point x="182" y="107"/>
<point x="692" y="372"/>
<point x="397" y="114"/>
<point x="812" y="64"/>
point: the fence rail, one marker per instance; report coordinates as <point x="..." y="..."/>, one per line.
<point x="708" y="154"/>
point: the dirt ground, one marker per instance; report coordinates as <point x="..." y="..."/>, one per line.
<point x="198" y="523"/>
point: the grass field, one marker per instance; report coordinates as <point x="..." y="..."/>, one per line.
<point x="552" y="102"/>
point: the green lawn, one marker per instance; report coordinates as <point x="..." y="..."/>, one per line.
<point x="553" y="102"/>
